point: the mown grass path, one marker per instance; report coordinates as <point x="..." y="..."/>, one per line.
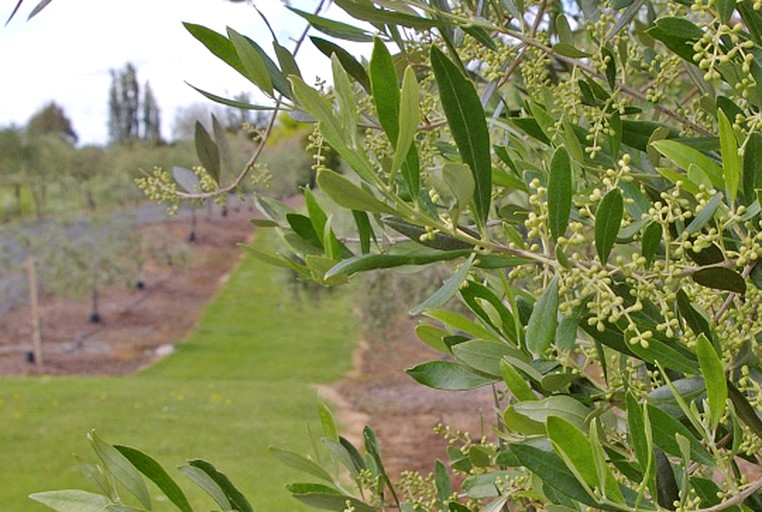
<point x="240" y="383"/>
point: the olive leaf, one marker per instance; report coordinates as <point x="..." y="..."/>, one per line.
<point x="608" y="218"/>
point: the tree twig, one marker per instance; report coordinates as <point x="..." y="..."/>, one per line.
<point x="735" y="500"/>
<point x="746" y="271"/>
<point x="520" y="57"/>
<point x="630" y="91"/>
<point x="268" y="130"/>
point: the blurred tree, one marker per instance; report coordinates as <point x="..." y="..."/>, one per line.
<point x="130" y="117"/>
<point x="124" y="99"/>
<point x="97" y="254"/>
<point x="47" y="161"/>
<point x="151" y="116"/>
<point x="11" y="163"/>
<point x="236" y="118"/>
<point x="51" y="120"/>
<point x="47" y="152"/>
<point x="88" y="162"/>
<point x="184" y="122"/>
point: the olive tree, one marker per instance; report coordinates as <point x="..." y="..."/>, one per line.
<point x="591" y="172"/>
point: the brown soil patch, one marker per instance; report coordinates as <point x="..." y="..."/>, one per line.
<point x="402" y="412"/>
<point x="137" y="325"/>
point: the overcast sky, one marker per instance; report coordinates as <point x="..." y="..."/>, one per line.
<point x="66" y="52"/>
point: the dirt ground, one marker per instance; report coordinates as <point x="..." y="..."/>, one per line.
<point x="402" y="412"/>
<point x="139" y="326"/>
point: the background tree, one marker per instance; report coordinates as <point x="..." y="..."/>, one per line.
<point x="90" y="163"/>
<point x="51" y="120"/>
<point x="48" y="160"/>
<point x="151" y="115"/>
<point x="184" y="121"/>
<point x="11" y="165"/>
<point x="132" y="116"/>
<point x="236" y="118"/>
<point x="124" y="109"/>
<point x="97" y="253"/>
<point x="48" y="153"/>
<point x="40" y="248"/>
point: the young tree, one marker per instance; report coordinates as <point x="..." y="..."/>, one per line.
<point x="89" y="164"/>
<point x="48" y="160"/>
<point x="97" y="253"/>
<point x="36" y="253"/>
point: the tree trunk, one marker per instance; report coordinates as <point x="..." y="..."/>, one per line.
<point x="95" y="317"/>
<point x="35" y="310"/>
<point x="192" y="235"/>
<point x="89" y="200"/>
<point x="17" y="194"/>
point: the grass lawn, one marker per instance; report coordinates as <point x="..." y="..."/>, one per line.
<point x="239" y="383"/>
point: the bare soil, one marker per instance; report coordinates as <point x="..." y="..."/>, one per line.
<point x="139" y="326"/>
<point x="403" y="413"/>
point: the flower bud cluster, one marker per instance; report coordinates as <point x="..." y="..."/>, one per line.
<point x="747" y="126"/>
<point x="568" y="104"/>
<point x="495" y="63"/>
<point x="667" y="70"/>
<point x="739" y="324"/>
<point x="749" y="246"/>
<point x="537" y="220"/>
<point x="692" y="502"/>
<point x="534" y="70"/>
<point x="317" y="146"/>
<point x="599" y="125"/>
<point x="709" y="53"/>
<point x="161" y="188"/>
<point x="206" y="182"/>
<point x="419" y="491"/>
<point x="261" y="177"/>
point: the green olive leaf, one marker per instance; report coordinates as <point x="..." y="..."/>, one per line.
<point x="714" y="378"/>
<point x="207" y="151"/>
<point x="608" y="218"/>
<point x="731" y="161"/>
<point x="560" y="191"/>
<point x="254" y="65"/>
<point x="468" y="125"/>
<point x="449" y="376"/>
<point x="541" y="329"/>
<point x="720" y="278"/>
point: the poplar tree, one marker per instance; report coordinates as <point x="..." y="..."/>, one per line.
<point x="132" y="117"/>
<point x="151" y="115"/>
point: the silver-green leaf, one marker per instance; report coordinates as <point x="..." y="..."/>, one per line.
<point x="608" y="218"/>
<point x="465" y="117"/>
<point x="541" y="329"/>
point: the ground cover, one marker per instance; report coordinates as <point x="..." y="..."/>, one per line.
<point x="240" y="382"/>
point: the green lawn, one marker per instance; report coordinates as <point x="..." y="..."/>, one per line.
<point x="240" y="383"/>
